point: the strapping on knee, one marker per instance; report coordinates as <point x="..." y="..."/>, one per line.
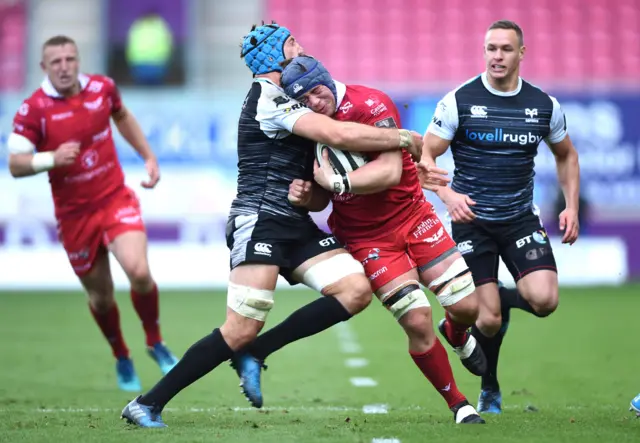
<point x="249" y="302"/>
<point x="404" y="298"/>
<point x="454" y="284"/>
<point x="331" y="270"/>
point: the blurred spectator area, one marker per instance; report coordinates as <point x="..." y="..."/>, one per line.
<point x="151" y="56"/>
<point x="402" y="46"/>
<point x="571" y="43"/>
<point x="13" y="33"/>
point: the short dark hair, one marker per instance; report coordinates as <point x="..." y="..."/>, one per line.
<point x="508" y="24"/>
<point x="59" y="40"/>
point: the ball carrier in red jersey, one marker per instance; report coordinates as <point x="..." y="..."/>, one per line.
<point x="384" y="221"/>
<point x="64" y="128"/>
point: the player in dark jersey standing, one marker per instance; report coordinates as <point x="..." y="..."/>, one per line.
<point x="269" y="236"/>
<point x="494" y="124"/>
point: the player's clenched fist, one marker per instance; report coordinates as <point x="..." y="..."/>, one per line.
<point x="66" y="154"/>
<point x="300" y="192"/>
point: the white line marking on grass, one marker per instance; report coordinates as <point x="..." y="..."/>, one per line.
<point x="350" y="347"/>
<point x="385" y="440"/>
<point x="347" y="339"/>
<point x="375" y="409"/>
<point x="363" y="382"/>
<point x="356" y="362"/>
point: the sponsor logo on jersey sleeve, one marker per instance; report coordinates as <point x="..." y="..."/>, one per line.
<point x="280" y="100"/>
<point x="295" y="107"/>
<point x="388" y="122"/>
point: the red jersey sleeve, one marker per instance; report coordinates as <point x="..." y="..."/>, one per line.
<point x="27" y="123"/>
<point x="114" y="95"/>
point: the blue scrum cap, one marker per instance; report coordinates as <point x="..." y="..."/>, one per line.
<point x="263" y="48"/>
<point x="303" y="74"/>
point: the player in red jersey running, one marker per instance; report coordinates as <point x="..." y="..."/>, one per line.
<point x="64" y="128"/>
<point x="382" y="217"/>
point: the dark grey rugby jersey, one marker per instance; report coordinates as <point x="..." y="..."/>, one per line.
<point x="269" y="155"/>
<point x="494" y="140"/>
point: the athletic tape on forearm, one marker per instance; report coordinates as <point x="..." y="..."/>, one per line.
<point x="405" y="138"/>
<point x="42" y="161"/>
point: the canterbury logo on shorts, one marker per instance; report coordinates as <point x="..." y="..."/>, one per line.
<point x="262" y="249"/>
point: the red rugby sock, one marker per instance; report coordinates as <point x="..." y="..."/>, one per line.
<point x="148" y="308"/>
<point x="109" y="323"/>
<point x="434" y="364"/>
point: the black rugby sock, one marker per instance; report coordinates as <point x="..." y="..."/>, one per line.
<point x="200" y="359"/>
<point x="511" y="298"/>
<point x="491" y="348"/>
<point x="310" y="319"/>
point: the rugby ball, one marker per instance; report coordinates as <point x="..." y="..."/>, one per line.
<point x="341" y="161"/>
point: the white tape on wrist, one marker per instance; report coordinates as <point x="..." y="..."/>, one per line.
<point x="405" y="138"/>
<point x="43" y="161"/>
<point x="337" y="184"/>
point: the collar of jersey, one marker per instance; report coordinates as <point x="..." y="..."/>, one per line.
<point x="341" y="90"/>
<point x="266" y="80"/>
<point x="486" y="84"/>
<point x="49" y="90"/>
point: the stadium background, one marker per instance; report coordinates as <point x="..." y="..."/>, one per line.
<point x="415" y="50"/>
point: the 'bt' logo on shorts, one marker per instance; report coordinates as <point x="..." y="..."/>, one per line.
<point x="326" y="242"/>
<point x="262" y="249"/>
<point x="539" y="237"/>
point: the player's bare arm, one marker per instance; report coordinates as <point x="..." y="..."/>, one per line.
<point x="309" y="195"/>
<point x="130" y="129"/>
<point x="430" y="178"/>
<point x="357" y="137"/>
<point x="25" y="162"/>
<point x="376" y="176"/>
<point x="568" y="168"/>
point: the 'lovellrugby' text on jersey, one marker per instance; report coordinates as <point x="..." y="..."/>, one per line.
<point x="270" y="157"/>
<point x="494" y="140"/>
<point x="367" y="216"/>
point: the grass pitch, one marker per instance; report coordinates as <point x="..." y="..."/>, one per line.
<point x="567" y="378"/>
